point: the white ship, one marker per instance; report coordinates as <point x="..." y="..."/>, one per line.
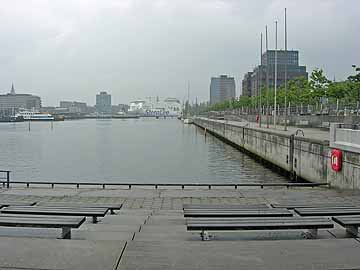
<point x="34" y="116"/>
<point x="156" y="107"/>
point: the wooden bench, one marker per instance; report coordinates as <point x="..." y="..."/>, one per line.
<point x="311" y="205"/>
<point x="330" y="211"/>
<point x="224" y="206"/>
<point x="228" y="213"/>
<point x="60" y="211"/>
<point x="111" y="206"/>
<point x="350" y="223"/>
<point x="35" y="221"/>
<point x="267" y="223"/>
<point x="6" y="203"/>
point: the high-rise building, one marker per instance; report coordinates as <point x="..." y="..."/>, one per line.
<point x="103" y="103"/>
<point x="246" y="85"/>
<point x="14" y="102"/>
<point x="222" y="88"/>
<point x="285" y="59"/>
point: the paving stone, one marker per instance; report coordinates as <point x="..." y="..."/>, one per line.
<point x="289" y="254"/>
<point x="59" y="254"/>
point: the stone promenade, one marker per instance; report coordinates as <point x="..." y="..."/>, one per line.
<point x="149" y="232"/>
<point x="321" y="134"/>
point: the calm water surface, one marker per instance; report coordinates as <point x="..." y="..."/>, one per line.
<point x="134" y="150"/>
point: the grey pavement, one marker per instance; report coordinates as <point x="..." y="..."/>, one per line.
<point x="149" y="232"/>
<point x="311" y="133"/>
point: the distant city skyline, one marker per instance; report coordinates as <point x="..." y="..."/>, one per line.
<point x="70" y="50"/>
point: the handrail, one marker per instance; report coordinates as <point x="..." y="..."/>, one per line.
<point x="156" y="185"/>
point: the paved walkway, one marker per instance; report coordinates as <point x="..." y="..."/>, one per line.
<point x="311" y="133"/>
<point x="149" y="233"/>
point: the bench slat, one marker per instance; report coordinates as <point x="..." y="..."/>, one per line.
<point x="75" y="204"/>
<point x="224" y="206"/>
<point x="257" y="219"/>
<point x="331" y="211"/>
<point x="239" y="213"/>
<point x="262" y="224"/>
<point x="40" y="221"/>
<point x="6" y="203"/>
<point x="65" y="211"/>
<point x="311" y="205"/>
<point x="347" y="220"/>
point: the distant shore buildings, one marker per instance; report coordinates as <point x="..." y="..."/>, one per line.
<point x="255" y="79"/>
<point x="156" y="106"/>
<point x="74" y="106"/>
<point x="13" y="101"/>
<point x="222" y="88"/>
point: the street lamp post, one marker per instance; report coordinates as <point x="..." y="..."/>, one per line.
<point x="275" y="76"/>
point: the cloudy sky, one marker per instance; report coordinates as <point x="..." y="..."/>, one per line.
<point x="71" y="49"/>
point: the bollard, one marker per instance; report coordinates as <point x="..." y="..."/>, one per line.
<point x="7" y="179"/>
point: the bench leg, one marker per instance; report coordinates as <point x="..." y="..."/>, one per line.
<point x="94" y="219"/>
<point x="112" y="212"/>
<point x="312" y="233"/>
<point x="352" y="230"/>
<point x="66" y="233"/>
<point x="205" y="236"/>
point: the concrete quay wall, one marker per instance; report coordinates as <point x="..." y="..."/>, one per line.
<point x="298" y="157"/>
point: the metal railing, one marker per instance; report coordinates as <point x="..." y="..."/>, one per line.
<point x="156" y="186"/>
<point x="292" y="110"/>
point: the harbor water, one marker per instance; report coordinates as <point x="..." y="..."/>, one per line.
<point x="119" y="151"/>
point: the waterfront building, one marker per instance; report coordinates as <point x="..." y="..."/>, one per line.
<point x="122" y="108"/>
<point x="74" y="106"/>
<point x="13" y="102"/>
<point x="103" y="103"/>
<point x="156" y="106"/>
<point x="222" y="88"/>
<point x="285" y="59"/>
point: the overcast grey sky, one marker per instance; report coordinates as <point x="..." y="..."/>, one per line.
<point x="71" y="49"/>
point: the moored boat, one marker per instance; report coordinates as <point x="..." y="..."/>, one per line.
<point x="34" y="116"/>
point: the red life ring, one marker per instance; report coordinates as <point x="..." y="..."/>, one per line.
<point x="336" y="160"/>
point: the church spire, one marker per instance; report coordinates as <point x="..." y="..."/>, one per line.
<point x="12" y="89"/>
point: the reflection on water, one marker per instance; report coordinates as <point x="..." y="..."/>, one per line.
<point x="134" y="150"/>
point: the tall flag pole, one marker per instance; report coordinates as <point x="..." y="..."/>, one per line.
<point x="286" y="53"/>
<point x="275" y="77"/>
<point x="260" y="78"/>
<point x="267" y="77"/>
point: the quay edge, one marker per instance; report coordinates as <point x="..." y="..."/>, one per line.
<point x="297" y="157"/>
